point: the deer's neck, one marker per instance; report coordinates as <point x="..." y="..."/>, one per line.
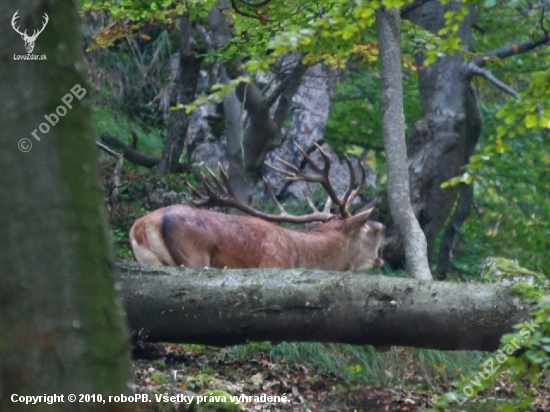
<point x="320" y="249"/>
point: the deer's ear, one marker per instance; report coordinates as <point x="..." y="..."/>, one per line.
<point x="358" y="221"/>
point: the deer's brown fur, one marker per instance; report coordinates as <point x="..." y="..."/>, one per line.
<point x="184" y="235"/>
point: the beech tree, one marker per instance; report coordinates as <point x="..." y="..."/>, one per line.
<point x="393" y="123"/>
<point x="61" y="320"/>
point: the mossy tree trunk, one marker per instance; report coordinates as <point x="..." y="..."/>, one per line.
<point x="62" y="330"/>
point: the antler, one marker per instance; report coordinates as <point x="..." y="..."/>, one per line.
<point x="228" y="199"/>
<point x="321" y="175"/>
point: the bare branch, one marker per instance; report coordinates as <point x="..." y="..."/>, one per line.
<point x="511" y="50"/>
<point x="259" y="4"/>
<point x="108" y="150"/>
<point x="541" y="21"/>
<point x="114" y="195"/>
<point x="244" y="13"/>
<point x="491" y="78"/>
<point x="135" y="156"/>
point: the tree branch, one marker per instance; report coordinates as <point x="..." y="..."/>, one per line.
<point x="473" y="69"/>
<point x="477" y="27"/>
<point x="243" y="13"/>
<point x="259" y="4"/>
<point x="511" y="50"/>
<point x="135" y="156"/>
<point x="410" y="7"/>
<point x="114" y="195"/>
<point x="283" y="84"/>
<point x="291" y="84"/>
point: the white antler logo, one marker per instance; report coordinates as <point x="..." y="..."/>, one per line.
<point x="29" y="40"/>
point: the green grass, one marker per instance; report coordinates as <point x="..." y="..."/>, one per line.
<point x="364" y="365"/>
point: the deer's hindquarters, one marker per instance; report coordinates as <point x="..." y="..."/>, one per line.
<point x="147" y="242"/>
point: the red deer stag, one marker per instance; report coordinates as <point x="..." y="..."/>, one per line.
<point x="184" y="235"/>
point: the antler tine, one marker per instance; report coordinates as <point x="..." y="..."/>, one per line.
<point x="196" y="193"/>
<point x="274" y="198"/>
<point x="215" y="179"/>
<point x="320" y="175"/>
<point x="359" y="188"/>
<point x="211" y="198"/>
<point x="14" y="22"/>
<point x="287" y="174"/>
<point x="328" y="205"/>
<point x="202" y="199"/>
<point x="311" y="204"/>
<point x="209" y="190"/>
<point x="226" y="183"/>
<point x="349" y="190"/>
<point x="312" y="164"/>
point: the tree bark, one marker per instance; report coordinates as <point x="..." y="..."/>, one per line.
<point x="262" y="128"/>
<point x="473" y="127"/>
<point x="184" y="93"/>
<point x="227" y="307"/>
<point x="436" y="145"/>
<point x="388" y="23"/>
<point x="307" y="123"/>
<point x="62" y="330"/>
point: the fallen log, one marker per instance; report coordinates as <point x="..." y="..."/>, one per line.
<point x="228" y="307"/>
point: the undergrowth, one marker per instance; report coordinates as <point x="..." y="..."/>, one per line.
<point x="365" y="365"/>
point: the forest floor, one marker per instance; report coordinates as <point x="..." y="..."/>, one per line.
<point x="193" y="369"/>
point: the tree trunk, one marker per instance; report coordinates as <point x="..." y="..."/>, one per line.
<point x="308" y="119"/>
<point x="473" y="127"/>
<point x="227" y="307"/>
<point x="436" y="148"/>
<point x="388" y="23"/>
<point x="61" y="323"/>
<point x="183" y="93"/>
<point x="262" y="128"/>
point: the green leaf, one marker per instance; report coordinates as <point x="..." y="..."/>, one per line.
<point x="531" y="120"/>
